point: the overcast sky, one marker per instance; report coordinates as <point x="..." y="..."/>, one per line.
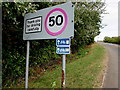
<point x="110" y="19"/>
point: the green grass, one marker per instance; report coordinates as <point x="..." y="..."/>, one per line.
<point x="81" y="72"/>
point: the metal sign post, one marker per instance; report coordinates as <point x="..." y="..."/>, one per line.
<point x="63" y="71"/>
<point x="27" y="64"/>
<point x="63" y="47"/>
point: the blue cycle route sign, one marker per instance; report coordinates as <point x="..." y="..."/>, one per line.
<point x="63" y="41"/>
<point x="63" y="50"/>
<point x="63" y="46"/>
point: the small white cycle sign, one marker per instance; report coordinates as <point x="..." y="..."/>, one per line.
<point x="56" y="21"/>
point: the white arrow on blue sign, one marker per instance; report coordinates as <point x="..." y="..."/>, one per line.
<point x="63" y="41"/>
<point x="63" y="50"/>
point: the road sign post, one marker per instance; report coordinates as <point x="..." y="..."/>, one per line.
<point x="27" y="64"/>
<point x="63" y="70"/>
<point x="63" y="47"/>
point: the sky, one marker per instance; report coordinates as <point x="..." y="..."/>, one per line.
<point x="110" y="19"/>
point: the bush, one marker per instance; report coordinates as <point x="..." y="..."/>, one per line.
<point x="115" y="40"/>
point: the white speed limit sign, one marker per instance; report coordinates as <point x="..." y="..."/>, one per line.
<point x="56" y="21"/>
<point x="50" y="23"/>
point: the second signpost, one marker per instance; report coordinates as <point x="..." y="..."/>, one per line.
<point x="63" y="47"/>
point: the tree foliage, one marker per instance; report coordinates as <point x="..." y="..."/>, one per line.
<point x="87" y="22"/>
<point x="87" y="25"/>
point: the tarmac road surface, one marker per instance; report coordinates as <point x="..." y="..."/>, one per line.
<point x="111" y="76"/>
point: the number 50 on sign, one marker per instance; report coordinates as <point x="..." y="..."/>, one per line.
<point x="56" y="21"/>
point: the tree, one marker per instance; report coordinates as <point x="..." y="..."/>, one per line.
<point x="87" y="22"/>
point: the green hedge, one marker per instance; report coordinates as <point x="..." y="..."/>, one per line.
<point x="115" y="40"/>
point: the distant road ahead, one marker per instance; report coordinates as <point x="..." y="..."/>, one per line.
<point x="111" y="77"/>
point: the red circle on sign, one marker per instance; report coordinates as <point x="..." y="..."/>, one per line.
<point x="64" y="26"/>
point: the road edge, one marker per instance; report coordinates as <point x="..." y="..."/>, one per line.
<point x="105" y="68"/>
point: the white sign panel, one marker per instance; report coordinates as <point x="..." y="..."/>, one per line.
<point x="33" y="25"/>
<point x="50" y="23"/>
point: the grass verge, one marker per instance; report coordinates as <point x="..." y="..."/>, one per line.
<point x="81" y="72"/>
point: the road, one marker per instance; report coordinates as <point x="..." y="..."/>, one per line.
<point x="111" y="76"/>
